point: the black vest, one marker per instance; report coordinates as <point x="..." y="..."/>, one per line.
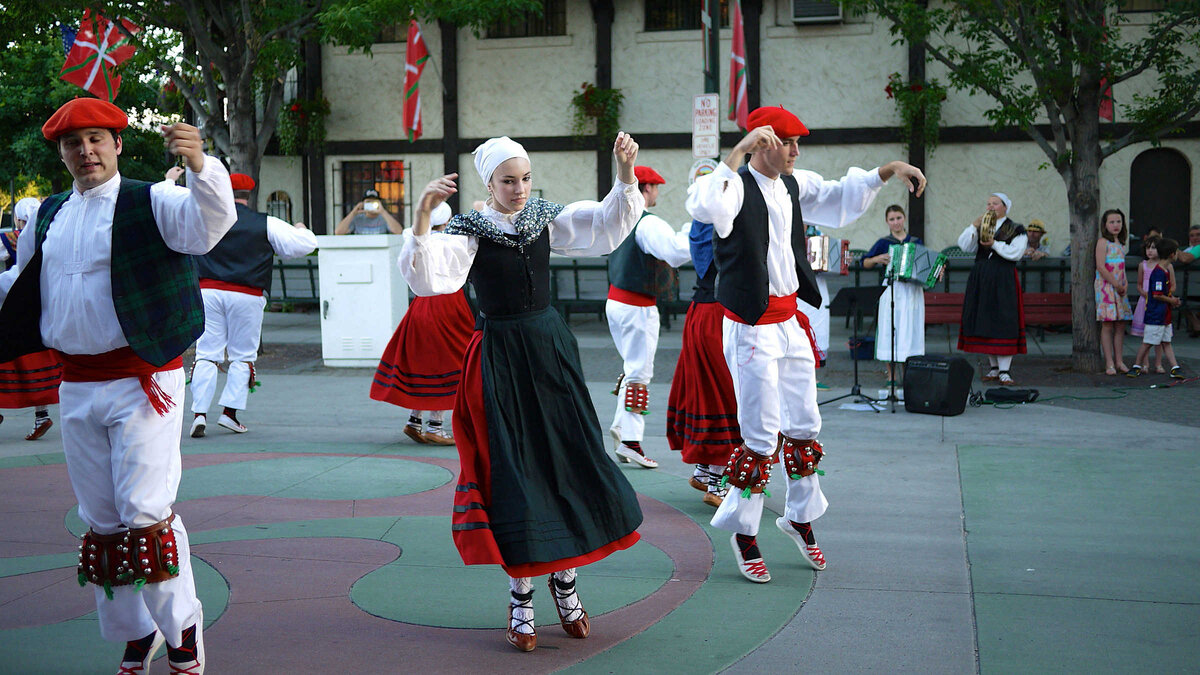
<point x="632" y="269"/>
<point x="511" y="280"/>
<point x="1010" y="230"/>
<point x="743" y="283"/>
<point x="244" y="255"/>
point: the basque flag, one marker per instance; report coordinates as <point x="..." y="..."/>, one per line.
<point x="739" y="106"/>
<point x="415" y="56"/>
<point x="99" y="47"/>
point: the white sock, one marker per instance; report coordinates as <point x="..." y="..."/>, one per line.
<point x="1004" y="362"/>
<point x="522" y="613"/>
<point x="568" y="600"/>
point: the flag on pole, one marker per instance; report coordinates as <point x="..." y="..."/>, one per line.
<point x="99" y="47"/>
<point x="415" y="56"/>
<point x="739" y="107"/>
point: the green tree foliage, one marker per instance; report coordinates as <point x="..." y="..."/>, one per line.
<point x="1046" y="63"/>
<point x="30" y="92"/>
<point x="235" y="56"/>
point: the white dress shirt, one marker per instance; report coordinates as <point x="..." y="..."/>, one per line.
<point x="436" y="263"/>
<point x="656" y="237"/>
<point x="288" y="240"/>
<point x="78" y="314"/>
<point x="717" y="199"/>
<point x="968" y="241"/>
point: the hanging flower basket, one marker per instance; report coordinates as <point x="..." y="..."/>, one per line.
<point x="913" y="98"/>
<point x="601" y="106"/>
<point x="302" y="124"/>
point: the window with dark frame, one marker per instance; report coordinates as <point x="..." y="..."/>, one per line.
<point x="663" y="15"/>
<point x="395" y="32"/>
<point x="1133" y="6"/>
<point x="552" y="21"/>
<point x="279" y="204"/>
<point x="385" y="176"/>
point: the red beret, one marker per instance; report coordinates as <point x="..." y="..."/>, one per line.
<point x="84" y="113"/>
<point x="784" y="123"/>
<point x="241" y="182"/>
<point x="648" y="176"/>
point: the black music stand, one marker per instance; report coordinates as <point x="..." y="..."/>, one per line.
<point x="852" y="301"/>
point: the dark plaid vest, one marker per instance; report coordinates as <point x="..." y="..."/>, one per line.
<point x="155" y="291"/>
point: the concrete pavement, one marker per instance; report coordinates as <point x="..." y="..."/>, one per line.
<point x="1059" y="536"/>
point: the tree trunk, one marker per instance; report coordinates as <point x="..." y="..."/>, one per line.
<point x="1083" y="194"/>
<point x="243" y="134"/>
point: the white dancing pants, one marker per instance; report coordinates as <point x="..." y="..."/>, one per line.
<point x="774" y="380"/>
<point x="232" y="327"/>
<point x="635" y="332"/>
<point x="818" y="317"/>
<point x="124" y="465"/>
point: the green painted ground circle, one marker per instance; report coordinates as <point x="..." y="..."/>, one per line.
<point x="429" y="586"/>
<point x="314" y="478"/>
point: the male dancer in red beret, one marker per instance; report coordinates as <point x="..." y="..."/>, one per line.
<point x="233" y="277"/>
<point x="636" y="270"/>
<point x="105" y="278"/>
<point x="759" y="214"/>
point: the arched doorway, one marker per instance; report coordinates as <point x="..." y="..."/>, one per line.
<point x="1160" y="193"/>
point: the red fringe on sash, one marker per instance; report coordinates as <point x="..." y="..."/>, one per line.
<point x="119" y="364"/>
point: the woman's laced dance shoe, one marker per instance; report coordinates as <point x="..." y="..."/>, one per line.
<point x="525" y="642"/>
<point x="754" y="569"/>
<point x="564" y="593"/>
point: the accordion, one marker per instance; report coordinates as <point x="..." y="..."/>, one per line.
<point x="829" y="255"/>
<point x="915" y="264"/>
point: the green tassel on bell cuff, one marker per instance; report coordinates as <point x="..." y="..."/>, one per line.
<point x="137" y="585"/>
<point x="254" y="385"/>
<point x="724" y="481"/>
<point x="108" y="589"/>
<point x="173" y="569"/>
<point x="82" y="580"/>
<point x="820" y="472"/>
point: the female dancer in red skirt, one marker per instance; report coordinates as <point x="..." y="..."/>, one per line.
<point x="422" y="365"/>
<point x="32" y="380"/>
<point x="537" y="494"/>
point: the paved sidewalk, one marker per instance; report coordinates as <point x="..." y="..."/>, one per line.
<point x="1059" y="536"/>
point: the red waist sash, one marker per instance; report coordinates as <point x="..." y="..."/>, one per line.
<point x="227" y="286"/>
<point x="780" y="309"/>
<point x="118" y="364"/>
<point x="629" y="297"/>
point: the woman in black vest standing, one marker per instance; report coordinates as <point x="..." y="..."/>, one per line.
<point x="993" y="318"/>
<point x="537" y="494"/>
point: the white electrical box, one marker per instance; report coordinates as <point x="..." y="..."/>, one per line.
<point x="363" y="297"/>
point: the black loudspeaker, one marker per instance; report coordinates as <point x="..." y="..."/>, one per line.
<point x="937" y="385"/>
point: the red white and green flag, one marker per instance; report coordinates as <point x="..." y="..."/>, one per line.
<point x="98" y="49"/>
<point x="415" y="56"/>
<point x="739" y="108"/>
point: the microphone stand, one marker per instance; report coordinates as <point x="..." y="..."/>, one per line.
<point x="892" y="354"/>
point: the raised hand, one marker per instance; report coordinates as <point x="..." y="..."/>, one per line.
<point x="625" y="150"/>
<point x="438" y="191"/>
<point x="183" y="140"/>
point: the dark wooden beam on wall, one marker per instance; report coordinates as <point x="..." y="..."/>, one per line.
<point x="916" y="141"/>
<point x="752" y="20"/>
<point x="313" y="165"/>
<point x="450" y="139"/>
<point x="603" y="12"/>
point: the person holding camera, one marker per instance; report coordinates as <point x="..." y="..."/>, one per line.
<point x="369" y="217"/>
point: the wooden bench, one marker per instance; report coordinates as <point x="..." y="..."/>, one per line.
<point x="943" y="308"/>
<point x="1047" y="309"/>
<point x="1041" y="309"/>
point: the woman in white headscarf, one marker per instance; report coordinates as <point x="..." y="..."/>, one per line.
<point x="993" y="318"/>
<point x="537" y="493"/>
<point x="33" y="379"/>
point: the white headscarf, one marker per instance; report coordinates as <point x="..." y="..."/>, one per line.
<point x="494" y="152"/>
<point x="26" y="209"/>
<point x="440" y="215"/>
<point x="1004" y="198"/>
